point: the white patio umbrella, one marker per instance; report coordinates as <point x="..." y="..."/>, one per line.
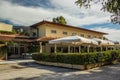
<point x="103" y="42"/>
<point x="77" y="39"/>
<point x="111" y="43"/>
<point x="74" y="39"/>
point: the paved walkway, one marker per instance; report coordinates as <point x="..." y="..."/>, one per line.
<point x="13" y="61"/>
<point x="33" y="71"/>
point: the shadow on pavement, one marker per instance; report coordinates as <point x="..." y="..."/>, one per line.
<point x="45" y="67"/>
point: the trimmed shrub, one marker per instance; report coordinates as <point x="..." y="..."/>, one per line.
<point x="77" y="58"/>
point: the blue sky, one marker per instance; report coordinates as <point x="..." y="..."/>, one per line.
<point x="28" y="12"/>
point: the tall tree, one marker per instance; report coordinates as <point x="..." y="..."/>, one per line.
<point x="60" y="19"/>
<point x="111" y="6"/>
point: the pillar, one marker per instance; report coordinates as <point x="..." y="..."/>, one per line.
<point x="94" y="49"/>
<point x="68" y="48"/>
<point x="101" y="48"/>
<point x="55" y="48"/>
<point x="40" y="47"/>
<point x="88" y="48"/>
<point x="79" y="49"/>
<point x="106" y="48"/>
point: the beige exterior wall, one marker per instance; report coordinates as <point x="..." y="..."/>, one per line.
<point x="5" y="27"/>
<point x="45" y="30"/>
<point x="42" y="30"/>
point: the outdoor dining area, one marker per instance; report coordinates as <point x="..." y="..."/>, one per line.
<point x="78" y="44"/>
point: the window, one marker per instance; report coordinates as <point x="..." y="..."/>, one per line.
<point x="100" y="38"/>
<point x="89" y="36"/>
<point x="73" y="34"/>
<point x="34" y="34"/>
<point x="82" y="35"/>
<point x="53" y="31"/>
<point x="65" y="33"/>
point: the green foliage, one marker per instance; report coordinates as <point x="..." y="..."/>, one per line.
<point x="3" y="51"/>
<point x="111" y="6"/>
<point x="77" y="58"/>
<point x="6" y="32"/>
<point x="60" y="20"/>
<point x="19" y="32"/>
<point x="33" y="48"/>
<point x="24" y="33"/>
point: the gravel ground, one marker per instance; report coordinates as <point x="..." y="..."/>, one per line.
<point x="33" y="71"/>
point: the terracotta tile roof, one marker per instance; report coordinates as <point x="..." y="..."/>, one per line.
<point x="22" y="38"/>
<point x="47" y="22"/>
<point x="14" y="37"/>
<point x="44" y="39"/>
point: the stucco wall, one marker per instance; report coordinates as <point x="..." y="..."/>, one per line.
<point x="5" y="27"/>
<point x="70" y="31"/>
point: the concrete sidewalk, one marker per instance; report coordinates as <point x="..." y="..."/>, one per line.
<point x="13" y="61"/>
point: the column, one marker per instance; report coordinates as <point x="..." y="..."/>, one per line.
<point x="40" y="47"/>
<point x="106" y="48"/>
<point x="101" y="48"/>
<point x="88" y="48"/>
<point x="68" y="48"/>
<point x="94" y="49"/>
<point x="79" y="49"/>
<point x="55" y="48"/>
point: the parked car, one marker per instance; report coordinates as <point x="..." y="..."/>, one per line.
<point x="26" y="55"/>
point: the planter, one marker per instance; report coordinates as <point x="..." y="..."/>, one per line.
<point x="64" y="65"/>
<point x="89" y="66"/>
<point x="81" y="67"/>
<point x="96" y="65"/>
<point x="51" y="63"/>
<point x="115" y="62"/>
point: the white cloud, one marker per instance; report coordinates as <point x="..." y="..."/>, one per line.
<point x="67" y="8"/>
<point x="81" y="16"/>
<point x="113" y="34"/>
<point x="23" y="15"/>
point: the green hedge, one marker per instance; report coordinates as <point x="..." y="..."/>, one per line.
<point x="7" y="32"/>
<point x="77" y="58"/>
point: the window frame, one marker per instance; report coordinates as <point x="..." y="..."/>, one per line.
<point x="65" y="33"/>
<point x="53" y="31"/>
